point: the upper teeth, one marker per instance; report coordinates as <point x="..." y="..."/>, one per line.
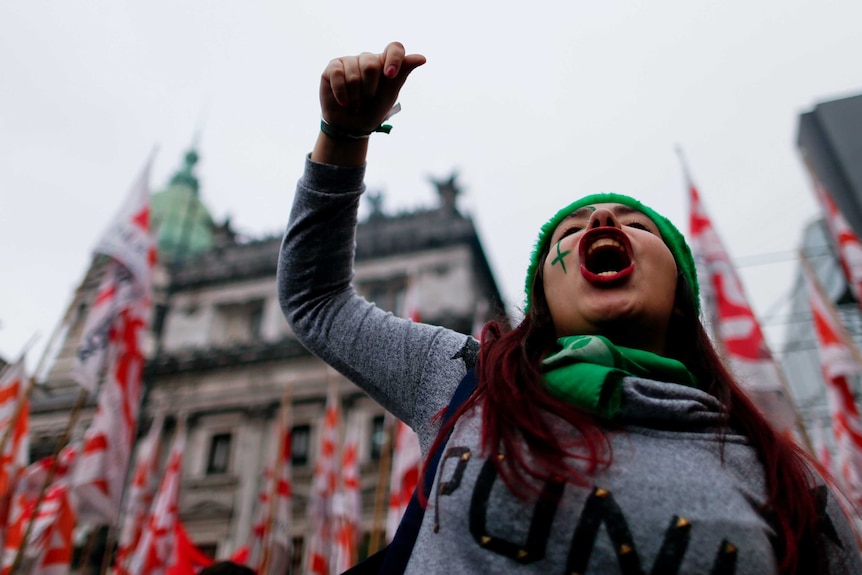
<point x="603" y="243"/>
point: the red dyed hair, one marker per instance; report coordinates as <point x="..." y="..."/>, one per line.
<point x="519" y="413"/>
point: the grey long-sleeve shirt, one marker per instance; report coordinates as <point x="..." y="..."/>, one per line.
<point x="672" y="501"/>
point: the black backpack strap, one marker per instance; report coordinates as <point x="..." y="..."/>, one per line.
<point x="394" y="557"/>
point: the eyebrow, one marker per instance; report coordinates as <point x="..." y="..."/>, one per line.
<point x="586" y="211"/>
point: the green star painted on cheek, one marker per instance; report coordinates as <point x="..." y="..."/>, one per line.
<point x="559" y="258"/>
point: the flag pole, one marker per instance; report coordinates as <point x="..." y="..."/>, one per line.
<point x="710" y="314"/>
<point x="797" y="419"/>
<point x="64" y="440"/>
<point x="850" y="344"/>
<point x="383" y="470"/>
<point x="61" y="443"/>
<point x="114" y="527"/>
<point x="28" y="390"/>
<point x="830" y="309"/>
<point x="332" y="378"/>
<point x="16" y="415"/>
<point x="90" y="545"/>
<point x="720" y="344"/>
<point x="284" y="420"/>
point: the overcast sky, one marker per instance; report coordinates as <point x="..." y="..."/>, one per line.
<point x="534" y="103"/>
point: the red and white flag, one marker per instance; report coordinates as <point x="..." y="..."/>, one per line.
<point x="318" y="559"/>
<point x="347" y="505"/>
<point x="412" y="304"/>
<point x="128" y="238"/>
<point x="479" y="315"/>
<point x="140" y="494"/>
<point x="188" y="559"/>
<point x="112" y="348"/>
<point x="60" y="545"/>
<point x="253" y="551"/>
<point x="406" y="462"/>
<point x="48" y="549"/>
<point x="839" y="360"/>
<point x="127" y="282"/>
<point x="14" y="427"/>
<point x="821" y="448"/>
<point x="846" y="241"/>
<point x="155" y="553"/>
<point x="108" y="442"/>
<point x="735" y="325"/>
<point x="277" y="505"/>
<point x="50" y="545"/>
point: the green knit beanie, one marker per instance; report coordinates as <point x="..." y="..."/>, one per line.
<point x="671" y="236"/>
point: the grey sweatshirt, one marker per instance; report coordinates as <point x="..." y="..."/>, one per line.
<point x="672" y="501"/>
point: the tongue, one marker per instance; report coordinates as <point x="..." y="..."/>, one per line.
<point x="609" y="277"/>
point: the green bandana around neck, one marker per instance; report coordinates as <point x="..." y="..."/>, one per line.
<point x="588" y="371"/>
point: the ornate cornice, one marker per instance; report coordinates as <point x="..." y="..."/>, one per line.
<point x="223" y="357"/>
<point x="382" y="236"/>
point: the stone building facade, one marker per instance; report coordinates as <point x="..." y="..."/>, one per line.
<point x="222" y="356"/>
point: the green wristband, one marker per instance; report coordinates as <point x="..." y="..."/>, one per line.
<point x="337" y="133"/>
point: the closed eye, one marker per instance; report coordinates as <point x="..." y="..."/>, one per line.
<point x="569" y="231"/>
<point x="640" y="226"/>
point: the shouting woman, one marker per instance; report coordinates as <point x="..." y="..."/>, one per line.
<point x="604" y="434"/>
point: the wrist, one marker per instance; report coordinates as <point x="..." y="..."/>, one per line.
<point x="337" y="133"/>
<point x="339" y="152"/>
<point x="343" y="147"/>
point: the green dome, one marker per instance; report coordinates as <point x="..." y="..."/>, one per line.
<point x="182" y="223"/>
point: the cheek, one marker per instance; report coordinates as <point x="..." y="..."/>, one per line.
<point x="668" y="272"/>
<point x="562" y="258"/>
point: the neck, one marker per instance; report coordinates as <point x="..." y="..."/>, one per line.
<point x="646" y="339"/>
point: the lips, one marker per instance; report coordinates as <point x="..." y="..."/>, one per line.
<point x="606" y="256"/>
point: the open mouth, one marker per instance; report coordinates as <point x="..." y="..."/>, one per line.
<point x="606" y="255"/>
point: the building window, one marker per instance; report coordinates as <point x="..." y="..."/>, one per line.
<point x="208" y="549"/>
<point x="386" y="294"/>
<point x="82" y="311"/>
<point x="378" y="437"/>
<point x="255" y="320"/>
<point x="42" y="447"/>
<point x="296" y="555"/>
<point x="300" y="440"/>
<point x="219" y="456"/>
<point x="238" y="323"/>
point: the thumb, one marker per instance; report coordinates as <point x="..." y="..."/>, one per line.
<point x="410" y="63"/>
<point x="398" y="65"/>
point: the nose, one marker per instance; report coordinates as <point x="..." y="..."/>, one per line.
<point x="603" y="217"/>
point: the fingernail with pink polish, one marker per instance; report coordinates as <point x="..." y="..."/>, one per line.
<point x="390" y="71"/>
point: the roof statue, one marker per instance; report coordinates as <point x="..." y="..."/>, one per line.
<point x="375" y="203"/>
<point x="448" y="190"/>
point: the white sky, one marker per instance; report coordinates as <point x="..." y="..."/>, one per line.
<point x="534" y="103"/>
